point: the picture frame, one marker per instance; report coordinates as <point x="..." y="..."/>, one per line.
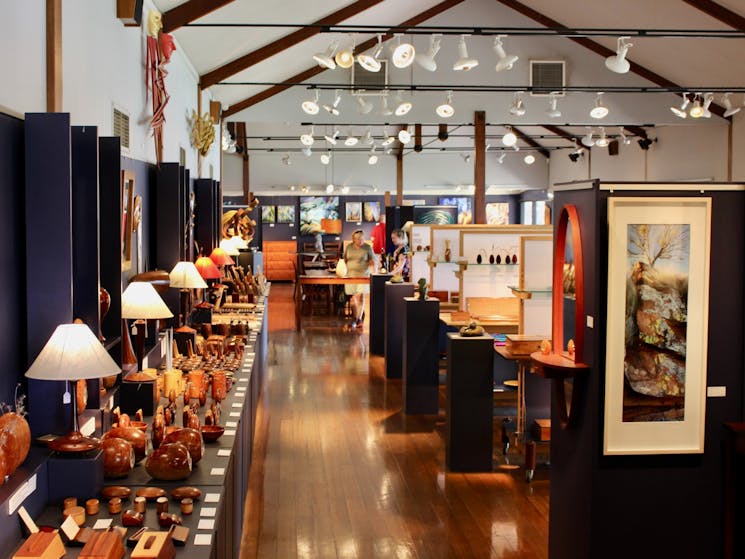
<point x="353" y="212"/>
<point x="286" y="213"/>
<point x="498" y="213"/>
<point x="319" y="214"/>
<point x="268" y="214"/>
<point x="127" y="197"/>
<point x="657" y="313"/>
<point x="371" y="212"/>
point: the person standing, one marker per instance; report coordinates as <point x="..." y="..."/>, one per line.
<point x="400" y="259"/>
<point x="360" y="261"/>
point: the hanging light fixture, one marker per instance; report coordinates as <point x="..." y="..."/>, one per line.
<point x="697" y="110"/>
<point x="368" y="139"/>
<point x="588" y="140"/>
<point x="402" y="107"/>
<point x="403" y="55"/>
<point x="680" y="112"/>
<point x="427" y="60"/>
<point x="371" y="62"/>
<point x="509" y="139"/>
<point x="307" y="139"/>
<point x="599" y="110"/>
<point x="730" y="110"/>
<point x="332" y="109"/>
<point x="517" y="108"/>
<point x="307" y="152"/>
<point x="624" y="138"/>
<point x="617" y="63"/>
<point x="326" y="59"/>
<point x="464" y="62"/>
<point x="500" y="159"/>
<point x="385" y="109"/>
<point x="553" y="106"/>
<point x="404" y="136"/>
<point x="505" y="62"/>
<point x="345" y="56"/>
<point x="326" y="158"/>
<point x="529" y="159"/>
<point x="708" y="99"/>
<point x="446" y="110"/>
<point x="351" y="140"/>
<point x="372" y="159"/>
<point x="332" y="139"/>
<point x="365" y="106"/>
<point x="388" y="138"/>
<point x="311" y="105"/>
<point x="602" y="141"/>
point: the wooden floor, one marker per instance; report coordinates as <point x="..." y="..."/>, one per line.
<point x="340" y="472"/>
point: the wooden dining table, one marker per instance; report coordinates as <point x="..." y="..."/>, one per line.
<point x="321" y="279"/>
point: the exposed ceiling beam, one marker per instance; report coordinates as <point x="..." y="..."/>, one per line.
<point x="315" y="70"/>
<point x="190" y="11"/>
<point x="531" y="142"/>
<point x="254" y="57"/>
<point x="563" y="133"/>
<point x="717" y="11"/>
<point x="597" y="48"/>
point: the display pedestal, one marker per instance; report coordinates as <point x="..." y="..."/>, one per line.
<point x="394" y="326"/>
<point x="421" y="356"/>
<point x="469" y="418"/>
<point x="377" y="313"/>
<point x="72" y="475"/>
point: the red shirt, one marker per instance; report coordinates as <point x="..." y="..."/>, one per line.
<point x="378" y="238"/>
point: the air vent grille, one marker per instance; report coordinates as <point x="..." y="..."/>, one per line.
<point x="369" y="83"/>
<point x="121" y="127"/>
<point x="547" y="76"/>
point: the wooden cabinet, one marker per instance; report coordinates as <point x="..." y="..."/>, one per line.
<point x="279" y="260"/>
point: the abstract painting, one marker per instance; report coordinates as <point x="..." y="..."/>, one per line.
<point x="313" y="209"/>
<point x="498" y="213"/>
<point x="464" y="205"/>
<point x="371" y="212"/>
<point x="268" y="214"/>
<point x="436" y="215"/>
<point x="286" y="214"/>
<point x="354" y="211"/>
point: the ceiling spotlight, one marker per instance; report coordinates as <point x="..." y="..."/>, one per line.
<point x="368" y="139"/>
<point x="371" y="62"/>
<point x="329" y="188"/>
<point x="464" y="63"/>
<point x="404" y="136"/>
<point x="286" y="159"/>
<point x="644" y="143"/>
<point x="575" y="155"/>
<point x="603" y="140"/>
<point x="402" y="107"/>
<point x="292" y="187"/>
<point x="332" y="139"/>
<point x="307" y="152"/>
<point x="599" y="110"/>
<point x="345" y="57"/>
<point x="618" y="63"/>
<point x="516" y="147"/>
<point x="326" y="158"/>
<point x="311" y="105"/>
<point x="553" y="109"/>
<point x="345" y="189"/>
<point x="427" y="60"/>
<point x="680" y="112"/>
<point x="466" y="157"/>
<point x="388" y="139"/>
<point x="517" y="108"/>
<point x="529" y="159"/>
<point x="500" y="159"/>
<point x="385" y="109"/>
<point x="305" y="188"/>
<point x="307" y="139"/>
<point x="403" y="54"/>
<point x="728" y="105"/>
<point x="332" y="109"/>
<point x="505" y="62"/>
<point x="588" y="140"/>
<point x="351" y="140"/>
<point x="372" y="159"/>
<point x="446" y="110"/>
<point x="326" y="59"/>
<point x="365" y="106"/>
<point x="624" y="138"/>
<point x="708" y="98"/>
<point x="509" y="139"/>
<point x="697" y="110"/>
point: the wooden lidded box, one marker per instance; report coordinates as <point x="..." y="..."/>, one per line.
<point x="103" y="545"/>
<point x="41" y="545"/>
<point x="522" y="344"/>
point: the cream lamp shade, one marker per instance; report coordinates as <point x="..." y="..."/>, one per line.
<point x="238" y="242"/>
<point x="141" y="301"/>
<point x="229" y="246"/>
<point x="186" y="276"/>
<point x="72" y="353"/>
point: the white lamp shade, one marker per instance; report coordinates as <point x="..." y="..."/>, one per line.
<point x="186" y="276"/>
<point x="239" y="242"/>
<point x="72" y="353"/>
<point x="141" y="301"/>
<point x="228" y="246"/>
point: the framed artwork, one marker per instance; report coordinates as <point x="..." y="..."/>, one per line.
<point x="371" y="212"/>
<point x="436" y="215"/>
<point x="658" y="297"/>
<point x="354" y="211"/>
<point x="314" y="209"/>
<point x="127" y="188"/>
<point x="464" y="205"/>
<point x="498" y="213"/>
<point x="268" y="214"/>
<point x="286" y="214"/>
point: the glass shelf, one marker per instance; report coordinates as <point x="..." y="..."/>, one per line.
<point x="521" y="293"/>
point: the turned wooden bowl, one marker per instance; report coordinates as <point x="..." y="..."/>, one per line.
<point x="210" y="433"/>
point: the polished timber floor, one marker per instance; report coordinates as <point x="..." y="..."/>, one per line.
<point x="339" y="471"/>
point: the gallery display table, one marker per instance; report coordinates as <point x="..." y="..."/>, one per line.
<point x="421" y="356"/>
<point x="394" y="327"/>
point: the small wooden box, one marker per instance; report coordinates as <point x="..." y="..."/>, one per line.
<point x="542" y="429"/>
<point x="154" y="545"/>
<point x="103" y="545"/>
<point x="41" y="545"/>
<point x="521" y="344"/>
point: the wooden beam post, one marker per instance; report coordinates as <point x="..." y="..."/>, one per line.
<point x="399" y="179"/>
<point x="240" y="140"/>
<point x="479" y="167"/>
<point x="54" y="56"/>
<point x="387" y="198"/>
<point x="188" y="12"/>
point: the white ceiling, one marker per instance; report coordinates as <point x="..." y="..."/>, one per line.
<point x="690" y="62"/>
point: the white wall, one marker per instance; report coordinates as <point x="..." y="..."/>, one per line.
<point x="738" y="147"/>
<point x="103" y="64"/>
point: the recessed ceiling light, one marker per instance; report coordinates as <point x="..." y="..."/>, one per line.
<point x="403" y="54"/>
<point x="446" y="110"/>
<point x="599" y="110"/>
<point x="427" y="60"/>
<point x="618" y="63"/>
<point x="505" y="62"/>
<point x="326" y="59"/>
<point x="509" y="139"/>
<point x="464" y="62"/>
<point x="311" y="105"/>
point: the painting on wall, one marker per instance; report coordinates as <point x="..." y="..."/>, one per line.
<point x="464" y="205"/>
<point x="498" y="213"/>
<point x="436" y="215"/>
<point x="657" y="325"/>
<point x="285" y="214"/>
<point x="319" y="213"/>
<point x="371" y="212"/>
<point x="268" y="214"/>
<point x="354" y="211"/>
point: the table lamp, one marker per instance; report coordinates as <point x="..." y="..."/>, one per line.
<point x="185" y="276"/>
<point x="229" y="246"/>
<point x="141" y="302"/>
<point x="73" y="353"/>
<point x="221" y="258"/>
<point x="207" y="268"/>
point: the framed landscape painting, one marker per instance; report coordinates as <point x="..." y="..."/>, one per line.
<point x="354" y="211"/>
<point x="658" y="299"/>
